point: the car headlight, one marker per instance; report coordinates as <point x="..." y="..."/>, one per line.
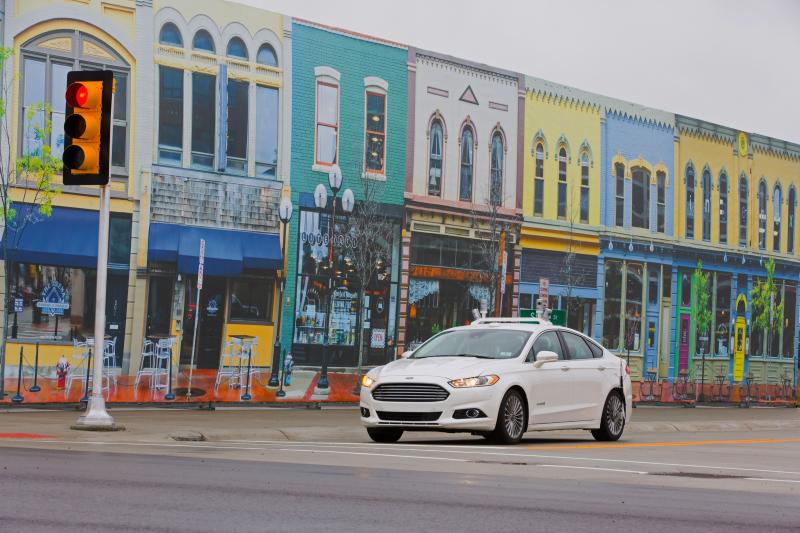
<point x="477" y="381"/>
<point x="367" y="381"/>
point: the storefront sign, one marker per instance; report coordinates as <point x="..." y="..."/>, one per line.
<point x="544" y="290"/>
<point x="378" y="338"/>
<point x="212" y="308"/>
<point x="54" y="299"/>
<point x="319" y="239"/>
<point x="19" y="305"/>
<point x="452" y="274"/>
<point x="503" y="275"/>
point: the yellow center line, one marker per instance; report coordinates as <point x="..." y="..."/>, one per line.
<point x="662" y="444"/>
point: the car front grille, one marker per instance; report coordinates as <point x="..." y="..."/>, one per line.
<point x="394" y="416"/>
<point x="409" y="392"/>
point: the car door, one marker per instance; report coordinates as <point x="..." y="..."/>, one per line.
<point x="586" y="375"/>
<point x="548" y="386"/>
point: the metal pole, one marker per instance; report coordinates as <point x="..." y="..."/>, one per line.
<point x="281" y="393"/>
<point x="703" y="376"/>
<point x="17" y="398"/>
<point x="96" y="414"/>
<point x="170" y="395"/>
<point x="246" y="396"/>
<point x="36" y="387"/>
<point x="274" y="378"/>
<point x="323" y="378"/>
<point x="194" y="343"/>
<point x="88" y="369"/>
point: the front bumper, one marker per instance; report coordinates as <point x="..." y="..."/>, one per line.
<point x="421" y="415"/>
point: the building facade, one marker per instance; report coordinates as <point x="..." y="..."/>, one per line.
<point x="462" y="194"/>
<point x="349" y="112"/>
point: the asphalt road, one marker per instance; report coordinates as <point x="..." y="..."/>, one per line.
<point x="723" y="481"/>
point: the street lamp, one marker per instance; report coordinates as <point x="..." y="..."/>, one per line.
<point x="285" y="214"/>
<point x="321" y="201"/>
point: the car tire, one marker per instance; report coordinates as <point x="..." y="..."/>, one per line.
<point x="512" y="419"/>
<point x="385" y="435"/>
<point x="612" y="421"/>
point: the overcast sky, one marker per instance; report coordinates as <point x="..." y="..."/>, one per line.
<point x="733" y="62"/>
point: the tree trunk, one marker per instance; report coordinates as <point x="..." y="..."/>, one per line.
<point x="6" y="290"/>
<point x="360" y="332"/>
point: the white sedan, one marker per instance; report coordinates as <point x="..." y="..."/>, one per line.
<point x="500" y="378"/>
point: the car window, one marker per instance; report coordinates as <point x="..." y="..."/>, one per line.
<point x="547" y="341"/>
<point x="597" y="351"/>
<point x="576" y="346"/>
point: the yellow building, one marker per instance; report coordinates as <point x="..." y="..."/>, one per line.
<point x="561" y="199"/>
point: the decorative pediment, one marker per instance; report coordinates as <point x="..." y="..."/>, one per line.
<point x="539" y="137"/>
<point x="468" y="96"/>
<point x="586" y="148"/>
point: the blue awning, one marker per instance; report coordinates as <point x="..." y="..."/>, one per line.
<point x="66" y="238"/>
<point x="228" y="252"/>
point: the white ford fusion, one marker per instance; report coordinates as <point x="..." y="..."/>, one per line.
<point x="499" y="378"/>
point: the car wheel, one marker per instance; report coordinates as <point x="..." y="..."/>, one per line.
<point x="511" y="420"/>
<point x="385" y="434"/>
<point x="612" y="422"/>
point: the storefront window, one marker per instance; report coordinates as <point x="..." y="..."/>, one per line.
<point x="775" y="335"/>
<point x="686" y="289"/>
<point x="251" y="300"/>
<point x="722" y="319"/>
<point x="51" y="303"/>
<point x="613" y="304"/>
<point x="580" y="312"/>
<point x="159" y="305"/>
<point x="789" y="319"/>
<point x="633" y="306"/>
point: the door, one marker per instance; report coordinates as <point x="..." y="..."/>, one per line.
<point x="683" y="342"/>
<point x="548" y="387"/>
<point x="586" y="377"/>
<point x="738" y="349"/>
<point x="209" y="329"/>
<point x="116" y="302"/>
<point x="663" y="360"/>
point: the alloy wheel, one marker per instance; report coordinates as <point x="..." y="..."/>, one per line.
<point x="514" y="418"/>
<point x="616" y="415"/>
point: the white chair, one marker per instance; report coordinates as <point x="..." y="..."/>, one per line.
<point x="146" y="362"/>
<point x="229" y="364"/>
<point x="77" y="365"/>
<point x="163" y="362"/>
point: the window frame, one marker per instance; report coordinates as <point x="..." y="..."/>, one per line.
<point x="642" y="175"/>
<point x="258" y="162"/>
<point x="562" y="185"/>
<point x="791" y="224"/>
<point x="177" y="30"/>
<point x="777" y="217"/>
<point x="375" y="91"/>
<point x="585" y="189"/>
<point x="268" y="282"/>
<point x="744" y="207"/>
<point x="210" y="37"/>
<point x="706" y="210"/>
<point x="661" y="201"/>
<point x="274" y="55"/>
<point x="690" y="230"/>
<point x="436" y="121"/>
<point x="723" y="207"/>
<point x="496" y="134"/>
<point x="531" y="357"/>
<point x="238" y="40"/>
<point x="564" y="335"/>
<point x="762" y="214"/>
<point x="215" y="134"/>
<point x="335" y="85"/>
<point x="178" y="150"/>
<point x="619" y="183"/>
<point x="538" y="180"/>
<point x="467" y="128"/>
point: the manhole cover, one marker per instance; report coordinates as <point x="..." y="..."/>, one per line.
<point x="182" y="391"/>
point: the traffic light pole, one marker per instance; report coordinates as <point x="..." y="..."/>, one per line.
<point x="96" y="416"/>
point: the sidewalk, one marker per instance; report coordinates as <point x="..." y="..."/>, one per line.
<point x="342" y="423"/>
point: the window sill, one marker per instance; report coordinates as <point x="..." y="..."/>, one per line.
<point x="251" y="322"/>
<point x="317" y="167"/>
<point x="377" y="176"/>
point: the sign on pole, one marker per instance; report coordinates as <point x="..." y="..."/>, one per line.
<point x="505" y="269"/>
<point x="200" y="268"/>
<point x="544" y="291"/>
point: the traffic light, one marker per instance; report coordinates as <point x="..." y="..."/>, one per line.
<point x="87" y="127"/>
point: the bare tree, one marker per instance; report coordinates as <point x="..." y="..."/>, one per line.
<point x="494" y="230"/>
<point x="573" y="276"/>
<point x="27" y="188"/>
<point x="372" y="230"/>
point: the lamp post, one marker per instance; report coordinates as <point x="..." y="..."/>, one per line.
<point x="285" y="214"/>
<point x="321" y="201"/>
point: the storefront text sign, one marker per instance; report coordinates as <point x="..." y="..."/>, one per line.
<point x="54" y="299"/>
<point x="378" y="338"/>
<point x="19" y="305"/>
<point x="202" y="261"/>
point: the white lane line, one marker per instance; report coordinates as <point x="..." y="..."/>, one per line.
<point x="377" y="454"/>
<point x="772" y="479"/>
<point x="420" y="445"/>
<point x="594" y="468"/>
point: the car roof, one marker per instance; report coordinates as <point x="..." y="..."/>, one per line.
<point x="517" y="324"/>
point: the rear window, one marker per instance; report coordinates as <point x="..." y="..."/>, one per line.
<point x="597" y="351"/>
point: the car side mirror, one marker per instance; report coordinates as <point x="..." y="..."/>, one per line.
<point x="545" y="356"/>
<point x="407" y="354"/>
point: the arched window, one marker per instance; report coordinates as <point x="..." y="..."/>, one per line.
<point x="661" y="200"/>
<point x="723" y="208"/>
<point x="237" y="49"/>
<point x="743" y="213"/>
<point x="436" y="158"/>
<point x="44" y="63"/>
<point x="202" y="41"/>
<point x="585" y="188"/>
<point x="266" y="56"/>
<point x="562" y="183"/>
<point x="790" y="222"/>
<point x="706" y="205"/>
<point x="496" y="170"/>
<point x="777" y="205"/>
<point x="619" y="174"/>
<point x="170" y="34"/>
<point x="690" y="202"/>
<point x="640" y="198"/>
<point x="467" y="163"/>
<point x="762" y="215"/>
<point x="538" y="182"/>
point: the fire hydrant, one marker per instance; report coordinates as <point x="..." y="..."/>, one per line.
<point x="62" y="369"/>
<point x="288" y="367"/>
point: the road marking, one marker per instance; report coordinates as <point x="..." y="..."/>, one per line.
<point x="24" y="436"/>
<point x="660" y="444"/>
<point x="595" y="468"/>
<point x="476" y="444"/>
<point x="771" y="479"/>
<point x="377" y="454"/>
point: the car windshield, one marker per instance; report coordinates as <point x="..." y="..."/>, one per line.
<point x="481" y="343"/>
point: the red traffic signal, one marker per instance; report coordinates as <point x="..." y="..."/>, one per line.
<point x="87" y="127"/>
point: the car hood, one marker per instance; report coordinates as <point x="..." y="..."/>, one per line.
<point x="443" y="367"/>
